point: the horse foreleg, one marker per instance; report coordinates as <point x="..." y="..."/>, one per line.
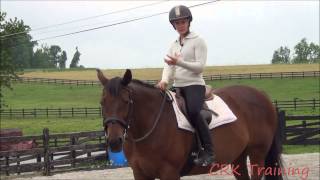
<point x="140" y="176"/>
<point x="169" y="173"/>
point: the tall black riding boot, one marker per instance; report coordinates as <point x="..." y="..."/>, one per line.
<point x="206" y="157"/>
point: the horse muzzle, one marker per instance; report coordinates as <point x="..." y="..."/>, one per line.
<point x="115" y="144"/>
<point x="114" y="138"/>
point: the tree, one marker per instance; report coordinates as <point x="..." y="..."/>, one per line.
<point x="41" y="58"/>
<point x="18" y="46"/>
<point x="75" y="60"/>
<point x="55" y="54"/>
<point x="302" y="52"/>
<point x="281" y="56"/>
<point x="314" y="56"/>
<point x="16" y="50"/>
<point x="62" y="60"/>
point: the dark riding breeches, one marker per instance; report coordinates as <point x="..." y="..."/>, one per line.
<point x="194" y="97"/>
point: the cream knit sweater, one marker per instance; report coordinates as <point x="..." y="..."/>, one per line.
<point x="190" y="65"/>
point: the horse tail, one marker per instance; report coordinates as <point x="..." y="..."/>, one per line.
<point x="274" y="159"/>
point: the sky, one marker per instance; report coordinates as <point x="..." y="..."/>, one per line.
<point x="236" y="32"/>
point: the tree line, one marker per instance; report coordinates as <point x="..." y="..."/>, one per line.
<point x="17" y="48"/>
<point x="17" y="52"/>
<point x="304" y="52"/>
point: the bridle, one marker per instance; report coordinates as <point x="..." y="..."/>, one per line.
<point x="125" y="123"/>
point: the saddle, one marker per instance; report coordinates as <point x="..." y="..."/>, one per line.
<point x="206" y="113"/>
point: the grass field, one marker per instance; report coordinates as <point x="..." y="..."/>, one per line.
<point x="155" y="73"/>
<point x="67" y="96"/>
<point x="59" y="125"/>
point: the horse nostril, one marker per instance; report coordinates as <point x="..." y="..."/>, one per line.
<point x="120" y="140"/>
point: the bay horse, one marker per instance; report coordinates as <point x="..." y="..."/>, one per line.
<point x="138" y="119"/>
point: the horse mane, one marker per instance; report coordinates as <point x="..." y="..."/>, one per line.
<point x="114" y="85"/>
<point x="144" y="84"/>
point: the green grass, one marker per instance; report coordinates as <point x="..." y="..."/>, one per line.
<point x="279" y="89"/>
<point x="299" y="149"/>
<point x="61" y="125"/>
<point x="282" y="90"/>
<point x="52" y="96"/>
<point x="67" y="96"/>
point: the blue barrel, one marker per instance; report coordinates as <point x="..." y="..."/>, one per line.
<point x="117" y="159"/>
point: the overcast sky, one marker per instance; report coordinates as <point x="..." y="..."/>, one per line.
<point x="236" y="32"/>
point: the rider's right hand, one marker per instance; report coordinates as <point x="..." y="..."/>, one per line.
<point x="162" y="85"/>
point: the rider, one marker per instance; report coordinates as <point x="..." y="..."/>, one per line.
<point x="184" y="64"/>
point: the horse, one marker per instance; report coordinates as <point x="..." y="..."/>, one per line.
<point x="139" y="119"/>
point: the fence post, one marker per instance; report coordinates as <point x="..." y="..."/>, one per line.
<point x="314" y="103"/>
<point x="23" y="113"/>
<point x="39" y="161"/>
<point x="46" y="170"/>
<point x="282" y="125"/>
<point x="18" y="165"/>
<point x="55" y="142"/>
<point x="86" y="111"/>
<point x="73" y="152"/>
<point x="295" y="103"/>
<point x="304" y="130"/>
<point x="10" y="113"/>
<point x="7" y="165"/>
<point x="72" y="112"/>
<point x="47" y="112"/>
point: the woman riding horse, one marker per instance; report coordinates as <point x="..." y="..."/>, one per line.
<point x="139" y="118"/>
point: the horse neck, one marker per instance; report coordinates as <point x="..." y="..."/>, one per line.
<point x="145" y="110"/>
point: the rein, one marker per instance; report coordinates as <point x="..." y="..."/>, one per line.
<point x="154" y="124"/>
<point x="126" y="125"/>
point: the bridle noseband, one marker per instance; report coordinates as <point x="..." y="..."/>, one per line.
<point x="126" y="123"/>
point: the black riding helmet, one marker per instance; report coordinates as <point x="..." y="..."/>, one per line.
<point x="179" y="12"/>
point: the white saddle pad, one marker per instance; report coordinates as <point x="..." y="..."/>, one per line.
<point x="225" y="115"/>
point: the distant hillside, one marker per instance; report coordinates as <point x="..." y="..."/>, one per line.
<point x="155" y="73"/>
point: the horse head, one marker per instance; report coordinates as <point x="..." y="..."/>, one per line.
<point x="116" y="106"/>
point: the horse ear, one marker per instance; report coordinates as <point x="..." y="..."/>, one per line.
<point x="127" y="77"/>
<point x="101" y="77"/>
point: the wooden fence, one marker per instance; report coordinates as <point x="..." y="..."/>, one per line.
<point x="207" y="78"/>
<point x="54" y="153"/>
<point x="96" y="112"/>
<point x="50" y="112"/>
<point x="281" y="75"/>
<point x="299" y="130"/>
